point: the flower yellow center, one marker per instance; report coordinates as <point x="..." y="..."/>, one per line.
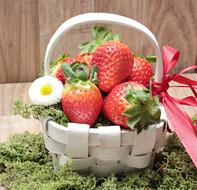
<point x="46" y="89"/>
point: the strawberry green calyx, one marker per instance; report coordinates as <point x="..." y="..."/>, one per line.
<point x="75" y="71"/>
<point x="143" y="108"/>
<point x="94" y="74"/>
<point x="99" y="36"/>
<point x="62" y="57"/>
<point x="58" y="60"/>
<point x="80" y="71"/>
<point x="149" y="58"/>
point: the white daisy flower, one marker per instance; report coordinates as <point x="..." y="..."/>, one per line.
<point x="46" y="91"/>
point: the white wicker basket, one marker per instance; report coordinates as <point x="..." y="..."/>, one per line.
<point x="103" y="150"/>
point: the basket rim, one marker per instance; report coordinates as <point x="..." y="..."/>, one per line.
<point x="51" y="122"/>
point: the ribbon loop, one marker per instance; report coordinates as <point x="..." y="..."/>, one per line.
<point x="159" y="87"/>
<point x="170" y="60"/>
<point x="178" y="118"/>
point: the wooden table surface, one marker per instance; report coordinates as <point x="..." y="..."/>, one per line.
<point x="10" y="124"/>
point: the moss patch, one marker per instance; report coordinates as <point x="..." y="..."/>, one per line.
<point x="25" y="164"/>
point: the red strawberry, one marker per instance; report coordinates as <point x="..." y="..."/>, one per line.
<point x="69" y="60"/>
<point x="141" y="71"/>
<point x="114" y="61"/>
<point x="130" y="105"/>
<point x="57" y="71"/>
<point x="81" y="99"/>
<point x="84" y="58"/>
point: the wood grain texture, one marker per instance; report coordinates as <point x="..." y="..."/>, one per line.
<point x="10" y="125"/>
<point x="27" y="25"/>
<point x="19" y="40"/>
<point x="55" y="12"/>
<point x="9" y="93"/>
<point x="172" y="21"/>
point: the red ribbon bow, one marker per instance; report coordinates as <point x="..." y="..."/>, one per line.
<point x="178" y="119"/>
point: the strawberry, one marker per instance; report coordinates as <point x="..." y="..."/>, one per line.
<point x="131" y="105"/>
<point x="114" y="61"/>
<point x="81" y="99"/>
<point x="69" y="60"/>
<point x="57" y="70"/>
<point x="84" y="58"/>
<point x="141" y="71"/>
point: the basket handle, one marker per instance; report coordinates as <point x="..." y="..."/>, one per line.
<point x="104" y="18"/>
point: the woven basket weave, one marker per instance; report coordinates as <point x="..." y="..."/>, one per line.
<point x="109" y="149"/>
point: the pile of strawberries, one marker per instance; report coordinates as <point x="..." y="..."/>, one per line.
<point x="106" y="78"/>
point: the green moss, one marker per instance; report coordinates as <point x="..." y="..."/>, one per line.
<point x="25" y="164"/>
<point x="109" y="183"/>
<point x="38" y="111"/>
<point x="54" y="111"/>
<point x="30" y="175"/>
<point x="25" y="147"/>
<point x="26" y="175"/>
